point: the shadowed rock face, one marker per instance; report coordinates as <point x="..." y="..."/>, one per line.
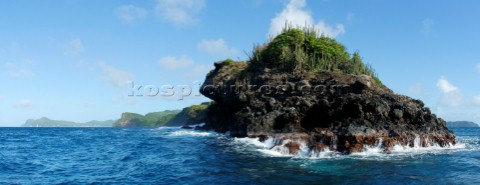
<point x="324" y="110"/>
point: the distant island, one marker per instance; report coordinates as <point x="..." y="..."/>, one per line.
<point x="194" y="114"/>
<point x="46" y="122"/>
<point x="129" y="119"/>
<point x="191" y="115"/>
<point x="461" y="124"/>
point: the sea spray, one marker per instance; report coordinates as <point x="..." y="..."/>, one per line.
<point x="276" y="147"/>
<point x="190" y="133"/>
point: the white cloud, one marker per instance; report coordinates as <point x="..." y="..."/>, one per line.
<point x="445" y="86"/>
<point x="199" y="71"/>
<point x="216" y="48"/>
<point x="451" y="96"/>
<point x="416" y="89"/>
<point x="20" y="69"/>
<point x="478" y="67"/>
<point x="180" y="12"/>
<point x="170" y="62"/>
<point x="20" y="73"/>
<point x="296" y="14"/>
<point x="114" y="76"/>
<point x="186" y="65"/>
<point x="476" y="100"/>
<point x="74" y="47"/>
<point x="129" y="13"/>
<point x="23" y="103"/>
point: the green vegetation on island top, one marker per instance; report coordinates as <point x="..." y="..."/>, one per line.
<point x="301" y="50"/>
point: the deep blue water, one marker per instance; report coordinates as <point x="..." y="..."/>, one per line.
<point x="175" y="156"/>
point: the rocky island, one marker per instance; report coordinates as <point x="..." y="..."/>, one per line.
<point x="307" y="92"/>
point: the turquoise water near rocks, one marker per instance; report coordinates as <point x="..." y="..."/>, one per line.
<point x="171" y="155"/>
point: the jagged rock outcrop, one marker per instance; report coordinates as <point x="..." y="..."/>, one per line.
<point x="331" y="110"/>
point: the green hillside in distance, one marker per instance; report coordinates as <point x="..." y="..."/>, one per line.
<point x="190" y="115"/>
<point x="152" y="119"/>
<point x="46" y="122"/>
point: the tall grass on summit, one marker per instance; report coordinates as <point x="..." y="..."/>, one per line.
<point x="304" y="49"/>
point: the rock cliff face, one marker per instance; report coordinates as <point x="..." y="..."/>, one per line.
<point x="195" y="114"/>
<point x="322" y="110"/>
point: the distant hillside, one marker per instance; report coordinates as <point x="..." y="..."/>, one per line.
<point x="190" y="115"/>
<point x="153" y="119"/>
<point x="45" y="122"/>
<point x="194" y="114"/>
<point x="461" y="124"/>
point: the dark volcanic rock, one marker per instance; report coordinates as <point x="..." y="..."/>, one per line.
<point x="325" y="110"/>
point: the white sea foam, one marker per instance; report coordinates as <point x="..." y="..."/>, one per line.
<point x="197" y="125"/>
<point x="166" y="128"/>
<point x="190" y="133"/>
<point x="276" y="148"/>
<point x="269" y="143"/>
<point x="401" y="150"/>
<point x="375" y="150"/>
<point x="251" y="141"/>
<point x="274" y="153"/>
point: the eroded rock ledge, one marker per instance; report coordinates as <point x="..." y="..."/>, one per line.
<point x="331" y="110"/>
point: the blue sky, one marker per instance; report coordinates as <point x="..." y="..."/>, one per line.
<point x="72" y="59"/>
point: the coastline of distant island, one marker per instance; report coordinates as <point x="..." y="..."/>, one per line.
<point x="46" y="122"/>
<point x="188" y="116"/>
<point x="191" y="115"/>
<point x="452" y="124"/>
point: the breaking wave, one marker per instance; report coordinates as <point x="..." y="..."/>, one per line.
<point x="273" y="147"/>
<point x="190" y="133"/>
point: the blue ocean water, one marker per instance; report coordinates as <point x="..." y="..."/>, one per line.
<point x="171" y="155"/>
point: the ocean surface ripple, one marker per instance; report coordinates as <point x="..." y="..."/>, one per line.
<point x="170" y="155"/>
